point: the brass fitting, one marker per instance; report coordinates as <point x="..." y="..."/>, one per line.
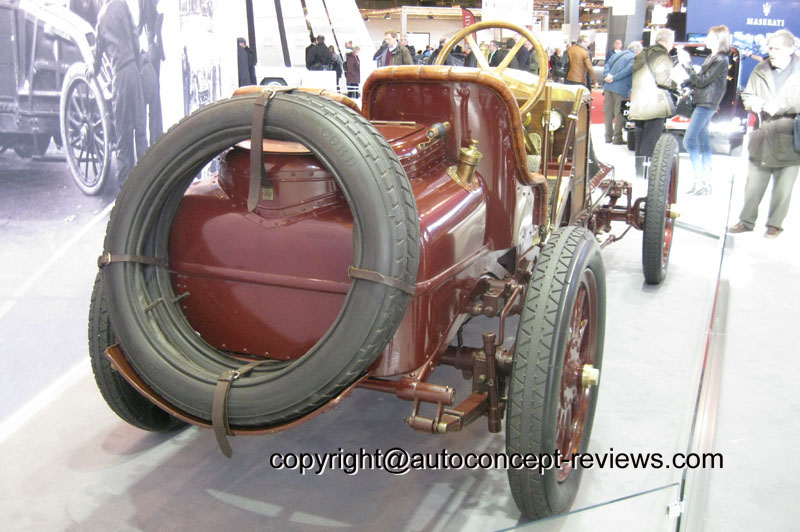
<point x="468" y="161"/>
<point x="673" y="211"/>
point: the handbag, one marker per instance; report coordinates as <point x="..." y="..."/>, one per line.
<point x="796" y="133"/>
<point x="684" y="105"/>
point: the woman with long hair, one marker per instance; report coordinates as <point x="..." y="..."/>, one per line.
<point x="709" y="87"/>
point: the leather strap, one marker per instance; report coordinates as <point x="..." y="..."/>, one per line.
<point x="258" y="174"/>
<point x="108" y="258"/>
<point x="219" y="408"/>
<point x="653" y="72"/>
<point x="375" y="277"/>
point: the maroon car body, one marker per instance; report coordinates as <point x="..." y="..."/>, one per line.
<point x="502" y="199"/>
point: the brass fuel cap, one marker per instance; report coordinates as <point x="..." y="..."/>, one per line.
<point x="590" y="376"/>
<point x="471" y="155"/>
<point x="464" y="173"/>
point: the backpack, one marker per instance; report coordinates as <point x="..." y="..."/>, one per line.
<point x="560" y="69"/>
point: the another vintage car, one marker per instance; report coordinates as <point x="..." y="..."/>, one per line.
<point x="341" y="247"/>
<point x="45" y="93"/>
<point x="728" y="126"/>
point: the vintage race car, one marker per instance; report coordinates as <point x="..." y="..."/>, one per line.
<point x="45" y="92"/>
<point x="340" y="248"/>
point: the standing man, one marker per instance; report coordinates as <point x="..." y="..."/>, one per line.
<point x="150" y="21"/>
<point x="579" y="64"/>
<point x="470" y="60"/>
<point x="534" y="58"/>
<point x="435" y="53"/>
<point x="524" y="55"/>
<point x="617" y="48"/>
<point x="394" y="54"/>
<point x="651" y="102"/>
<point x="311" y="53"/>
<point x="498" y="52"/>
<point x="247" y="63"/>
<point x="116" y="37"/>
<point x="353" y="73"/>
<point x="494" y="46"/>
<point x="773" y="93"/>
<point x="618" y="78"/>
<point x="322" y="55"/>
<point x="411" y="49"/>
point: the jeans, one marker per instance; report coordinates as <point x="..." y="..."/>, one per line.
<point x="698" y="142"/>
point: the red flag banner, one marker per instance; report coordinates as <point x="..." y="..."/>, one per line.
<point x="467" y="17"/>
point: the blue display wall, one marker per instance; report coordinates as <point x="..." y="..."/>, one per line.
<point x="749" y="22"/>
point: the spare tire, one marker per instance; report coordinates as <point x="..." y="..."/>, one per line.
<point x="159" y="342"/>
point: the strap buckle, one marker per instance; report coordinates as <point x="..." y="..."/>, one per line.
<point x="219" y="407"/>
<point x="229" y="376"/>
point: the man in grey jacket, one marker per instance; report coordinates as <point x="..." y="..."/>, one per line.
<point x="772" y="92"/>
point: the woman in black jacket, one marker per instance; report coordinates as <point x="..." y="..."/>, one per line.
<point x="709" y="87"/>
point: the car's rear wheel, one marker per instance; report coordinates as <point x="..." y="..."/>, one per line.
<point x="85" y="130"/>
<point x="659" y="224"/>
<point x="158" y="340"/>
<point x="557" y="358"/>
<point x="273" y="82"/>
<point x="120" y="396"/>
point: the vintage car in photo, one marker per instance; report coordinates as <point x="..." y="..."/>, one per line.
<point x="46" y="95"/>
<point x="342" y="247"/>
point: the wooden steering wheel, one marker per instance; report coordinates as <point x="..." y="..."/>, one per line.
<point x="500" y="69"/>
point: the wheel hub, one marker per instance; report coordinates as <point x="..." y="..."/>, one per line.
<point x="590" y="376"/>
<point x="673" y="211"/>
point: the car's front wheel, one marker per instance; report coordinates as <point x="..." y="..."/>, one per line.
<point x="557" y="359"/>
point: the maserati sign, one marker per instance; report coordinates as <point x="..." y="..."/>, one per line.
<point x="766" y="8"/>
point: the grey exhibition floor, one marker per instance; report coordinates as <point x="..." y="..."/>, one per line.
<point x="69" y="464"/>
